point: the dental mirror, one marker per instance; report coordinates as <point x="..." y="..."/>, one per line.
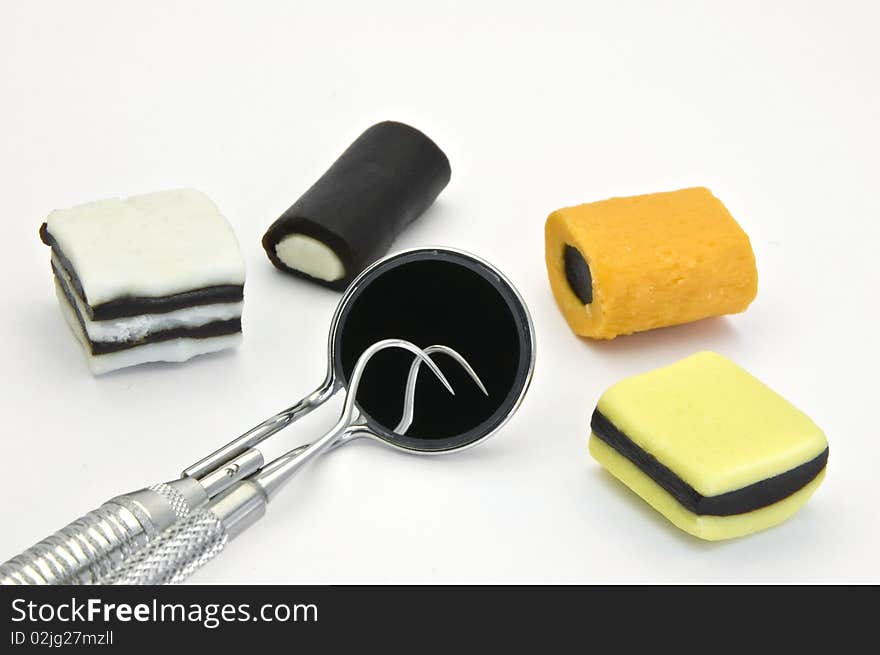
<point x="427" y="296"/>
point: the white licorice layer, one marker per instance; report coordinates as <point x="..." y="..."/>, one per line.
<point x="152" y="245"/>
<point x="173" y="350"/>
<point x="133" y="328"/>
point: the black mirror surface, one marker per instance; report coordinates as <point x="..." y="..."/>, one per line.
<point x="436" y="296"/>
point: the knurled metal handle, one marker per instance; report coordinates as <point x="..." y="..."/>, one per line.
<point x="90" y="547"/>
<point x="175" y="555"/>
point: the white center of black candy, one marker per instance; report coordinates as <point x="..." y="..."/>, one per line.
<point x="577" y="272"/>
<point x="310" y="256"/>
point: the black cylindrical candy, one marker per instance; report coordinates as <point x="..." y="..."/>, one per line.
<point x="350" y="217"/>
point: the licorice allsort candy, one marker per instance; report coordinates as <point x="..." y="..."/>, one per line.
<point x="710" y="447"/>
<point x="155" y="277"/>
<point x="626" y="265"/>
<point x="350" y="217"/>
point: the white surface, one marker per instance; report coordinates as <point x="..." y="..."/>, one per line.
<point x="154" y="244"/>
<point x="131" y="328"/>
<point x="172" y="350"/>
<point x="310" y="256"/>
<point x="773" y="106"/>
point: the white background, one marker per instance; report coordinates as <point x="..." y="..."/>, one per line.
<point x="539" y="105"/>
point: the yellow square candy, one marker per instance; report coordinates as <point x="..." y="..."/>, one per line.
<point x="709" y="446"/>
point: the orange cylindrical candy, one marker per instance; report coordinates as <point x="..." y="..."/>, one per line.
<point x="630" y="264"/>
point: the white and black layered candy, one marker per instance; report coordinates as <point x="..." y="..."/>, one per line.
<point x="155" y="277"/>
<point x="350" y="217"/>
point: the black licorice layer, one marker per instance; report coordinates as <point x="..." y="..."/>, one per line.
<point x="740" y="501"/>
<point x="385" y="180"/>
<point x="136" y="305"/>
<point x="578" y="274"/>
<point x="213" y="329"/>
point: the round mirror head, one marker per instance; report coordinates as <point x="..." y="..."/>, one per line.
<point x="436" y="296"/>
